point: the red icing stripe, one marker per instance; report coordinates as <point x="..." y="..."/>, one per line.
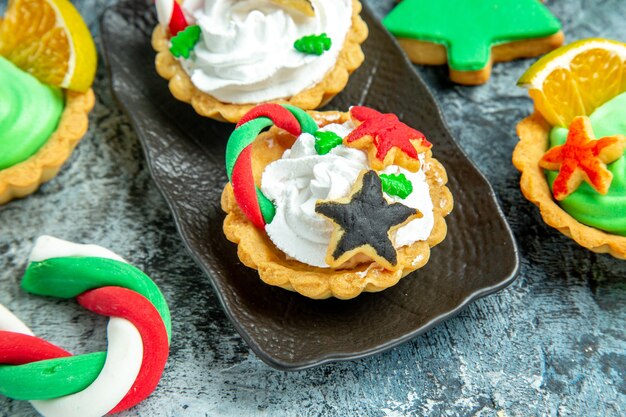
<point x="280" y="116"/>
<point x="244" y="188"/>
<point x="19" y="349"/>
<point x="177" y="20"/>
<point x="134" y="307"/>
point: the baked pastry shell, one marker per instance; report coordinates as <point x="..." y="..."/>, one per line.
<point x="257" y="251"/>
<point x="24" y="178"/>
<point x="534" y="132"/>
<point x="350" y="58"/>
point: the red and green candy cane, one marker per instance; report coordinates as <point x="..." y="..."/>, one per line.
<point x="60" y="384"/>
<point x="171" y="14"/>
<point x="253" y="203"/>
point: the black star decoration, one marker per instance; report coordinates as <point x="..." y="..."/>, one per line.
<point x="364" y="221"/>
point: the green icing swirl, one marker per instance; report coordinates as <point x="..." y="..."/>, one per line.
<point x="29" y="114"/>
<point x="605" y="212"/>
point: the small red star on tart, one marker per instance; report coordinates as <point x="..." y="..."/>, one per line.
<point x="386" y="139"/>
<point x="582" y="158"/>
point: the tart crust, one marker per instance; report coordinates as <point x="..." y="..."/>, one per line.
<point x="257" y="251"/>
<point x="349" y="59"/>
<point x="534" y="132"/>
<point x="25" y="178"/>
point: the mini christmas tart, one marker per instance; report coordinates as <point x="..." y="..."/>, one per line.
<point x="571" y="150"/>
<point x="331" y="204"/>
<point x="224" y="57"/>
<point x="59" y="384"/>
<point x="47" y="65"/>
<point x="471" y="35"/>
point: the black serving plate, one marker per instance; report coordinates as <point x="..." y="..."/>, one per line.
<point x="185" y="154"/>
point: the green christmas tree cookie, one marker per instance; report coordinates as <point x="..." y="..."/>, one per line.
<point x="471" y="35"/>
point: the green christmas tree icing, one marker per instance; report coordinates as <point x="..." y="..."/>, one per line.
<point x="325" y="141"/>
<point x="313" y="44"/>
<point x="396" y="185"/>
<point x="470" y="28"/>
<point x="184" y="42"/>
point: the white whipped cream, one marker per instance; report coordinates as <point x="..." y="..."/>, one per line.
<point x="246" y="55"/>
<point x="417" y="229"/>
<point x="302" y="177"/>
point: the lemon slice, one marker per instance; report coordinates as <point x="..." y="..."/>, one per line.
<point x="50" y="40"/>
<point x="576" y="79"/>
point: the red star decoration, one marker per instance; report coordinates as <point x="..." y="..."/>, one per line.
<point x="386" y="139"/>
<point x="582" y="158"/>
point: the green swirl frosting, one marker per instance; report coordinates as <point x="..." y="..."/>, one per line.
<point x="29" y="114"/>
<point x="605" y="212"/>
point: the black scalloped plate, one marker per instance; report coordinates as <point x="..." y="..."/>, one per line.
<point x="185" y="154"/>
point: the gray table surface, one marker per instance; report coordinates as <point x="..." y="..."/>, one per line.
<point x="553" y="343"/>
